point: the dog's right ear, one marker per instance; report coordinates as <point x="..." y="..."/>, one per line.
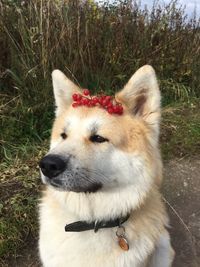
<point x="63" y="89"/>
<point x="141" y="97"/>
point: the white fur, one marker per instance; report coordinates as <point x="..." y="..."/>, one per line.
<point x="100" y="249"/>
<point x="163" y="254"/>
<point x="87" y="249"/>
<point x="99" y="206"/>
<point x="63" y="89"/>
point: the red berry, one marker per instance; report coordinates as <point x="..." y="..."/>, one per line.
<point x="115" y="109"/>
<point x="85" y="101"/>
<point x="74" y="96"/>
<point x="86" y="92"/>
<point x="92" y="103"/>
<point x="74" y="105"/>
<point x="101" y="99"/>
<point x="108" y="98"/>
<point x="79" y="97"/>
<point x="120" y="110"/>
<point x="110" y="105"/>
<point x="104" y="103"/>
<point x="79" y="102"/>
<point x="110" y="110"/>
<point x="95" y="100"/>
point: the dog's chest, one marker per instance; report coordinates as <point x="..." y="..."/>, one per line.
<point x="87" y="249"/>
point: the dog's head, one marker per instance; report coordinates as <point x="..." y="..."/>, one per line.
<point x="92" y="150"/>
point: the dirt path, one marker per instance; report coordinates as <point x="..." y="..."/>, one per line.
<point x="181" y="189"/>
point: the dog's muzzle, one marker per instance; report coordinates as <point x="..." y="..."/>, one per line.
<point x="57" y="171"/>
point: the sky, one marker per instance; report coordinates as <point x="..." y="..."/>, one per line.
<point x="189" y="4"/>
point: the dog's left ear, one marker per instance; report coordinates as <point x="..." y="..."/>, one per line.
<point x="141" y="96"/>
<point x="63" y="89"/>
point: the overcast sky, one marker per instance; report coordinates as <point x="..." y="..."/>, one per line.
<point x="189" y="4"/>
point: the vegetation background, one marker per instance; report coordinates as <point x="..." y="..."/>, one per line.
<point x="98" y="46"/>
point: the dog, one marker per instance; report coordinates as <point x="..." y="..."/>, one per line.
<point x="102" y="206"/>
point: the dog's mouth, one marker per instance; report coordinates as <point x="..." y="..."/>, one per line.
<point x="58" y="185"/>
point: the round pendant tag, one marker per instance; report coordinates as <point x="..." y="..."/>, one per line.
<point x="123" y="243"/>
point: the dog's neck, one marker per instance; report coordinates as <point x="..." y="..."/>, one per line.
<point x="100" y="205"/>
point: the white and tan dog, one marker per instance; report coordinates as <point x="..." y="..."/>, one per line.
<point x="101" y="168"/>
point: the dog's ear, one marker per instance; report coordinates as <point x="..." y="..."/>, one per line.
<point x="141" y="96"/>
<point x="63" y="89"/>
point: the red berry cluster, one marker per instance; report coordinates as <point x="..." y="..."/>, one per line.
<point x="104" y="101"/>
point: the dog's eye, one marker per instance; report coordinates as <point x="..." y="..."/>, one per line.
<point x="98" y="139"/>
<point x="63" y="135"/>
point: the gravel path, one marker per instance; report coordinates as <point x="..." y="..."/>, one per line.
<point x="181" y="189"/>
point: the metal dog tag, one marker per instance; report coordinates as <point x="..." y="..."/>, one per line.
<point x="123" y="243"/>
<point x="122" y="240"/>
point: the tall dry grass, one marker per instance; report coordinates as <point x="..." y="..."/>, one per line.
<point x="96" y="45"/>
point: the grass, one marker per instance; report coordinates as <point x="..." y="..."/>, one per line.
<point x="19" y="190"/>
<point x="180" y="130"/>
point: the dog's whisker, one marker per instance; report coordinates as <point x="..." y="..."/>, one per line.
<point x="97" y="173"/>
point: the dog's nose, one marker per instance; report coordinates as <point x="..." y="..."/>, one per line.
<point x="52" y="165"/>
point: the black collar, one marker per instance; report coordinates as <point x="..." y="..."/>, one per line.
<point x="95" y="225"/>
